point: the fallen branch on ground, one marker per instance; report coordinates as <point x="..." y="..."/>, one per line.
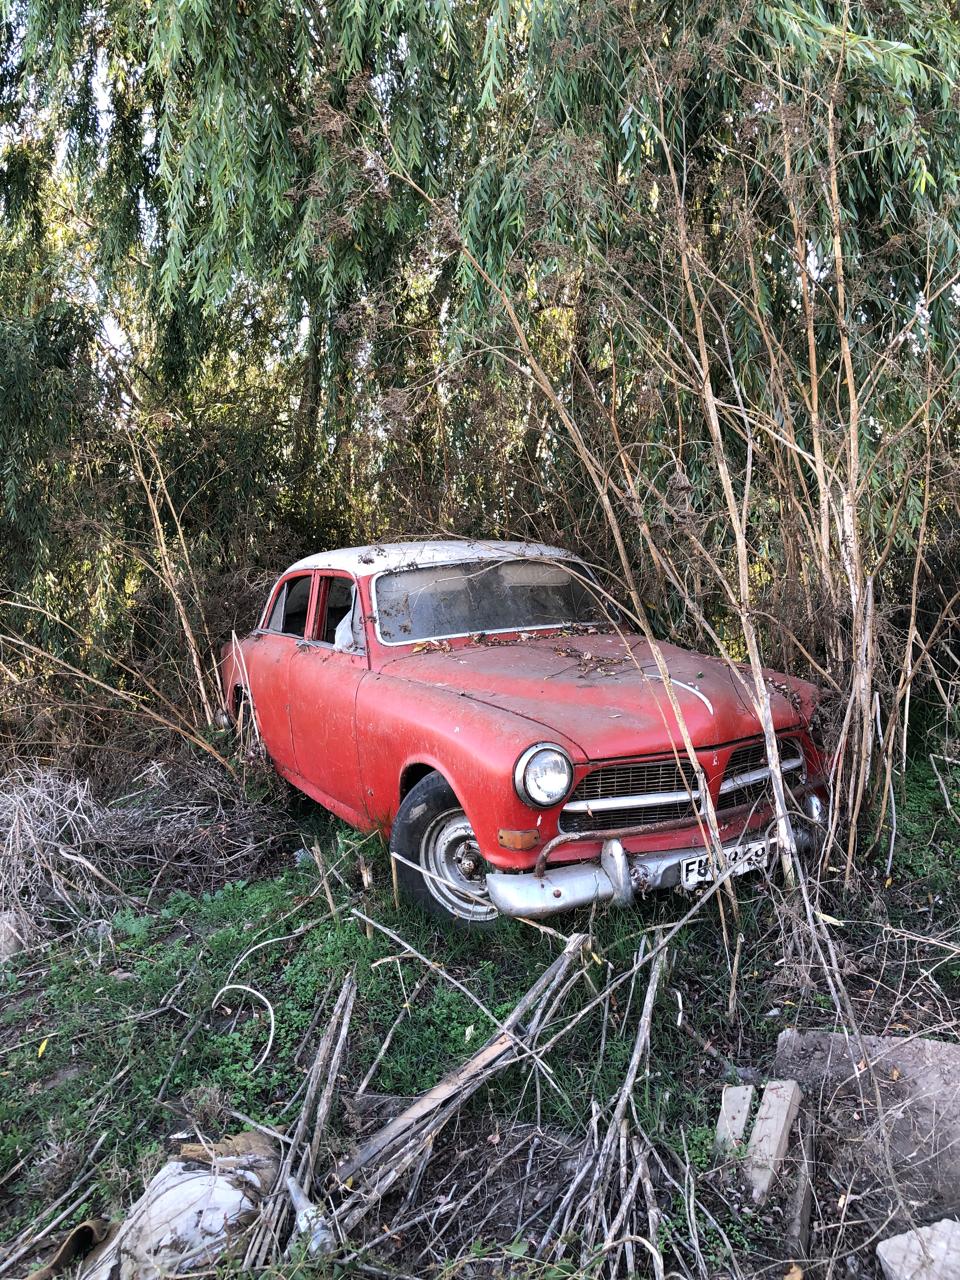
<point x="383" y="1159"/>
<point x="300" y="1157"/>
<point x="599" y="1209"/>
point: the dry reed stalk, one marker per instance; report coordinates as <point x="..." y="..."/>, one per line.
<point x="397" y="1147"/>
<point x="169" y="576"/>
<point x="268" y="1234"/>
<point x="599" y="1210"/>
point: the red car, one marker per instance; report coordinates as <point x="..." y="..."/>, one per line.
<point x="483" y="706"/>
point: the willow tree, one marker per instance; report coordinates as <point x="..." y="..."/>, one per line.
<point x="671" y="283"/>
<point x="746" y="225"/>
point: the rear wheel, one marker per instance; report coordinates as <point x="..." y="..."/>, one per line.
<point x="437" y="857"/>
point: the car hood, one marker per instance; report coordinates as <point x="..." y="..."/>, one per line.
<point x="604" y="694"/>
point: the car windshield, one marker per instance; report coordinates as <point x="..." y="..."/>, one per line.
<point x="487" y="595"/>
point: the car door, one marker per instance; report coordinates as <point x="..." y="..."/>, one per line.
<point x="323" y="677"/>
<point x="267" y="656"/>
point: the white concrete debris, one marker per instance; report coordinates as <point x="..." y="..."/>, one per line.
<point x="732" y="1122"/>
<point x="191" y="1214"/>
<point x="929" y="1253"/>
<point x="905" y="1091"/>
<point x="770" y="1138"/>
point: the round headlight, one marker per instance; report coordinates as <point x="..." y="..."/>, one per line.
<point x="543" y="775"/>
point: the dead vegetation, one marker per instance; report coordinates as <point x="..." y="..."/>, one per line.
<point x="474" y="1175"/>
<point x="68" y="856"/>
<point x="457" y="1181"/>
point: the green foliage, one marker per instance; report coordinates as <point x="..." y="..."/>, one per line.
<point x="272" y="279"/>
<point x="928" y="834"/>
<point x="51" y="394"/>
<point x="316" y="348"/>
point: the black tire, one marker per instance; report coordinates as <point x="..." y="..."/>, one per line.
<point x="431" y="832"/>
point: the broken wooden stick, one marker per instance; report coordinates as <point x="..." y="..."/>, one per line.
<point x="399" y="1144"/>
<point x="599" y="1209"/>
<point x="300" y="1157"/>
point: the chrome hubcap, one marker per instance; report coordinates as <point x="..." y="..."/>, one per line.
<point x="454" y="866"/>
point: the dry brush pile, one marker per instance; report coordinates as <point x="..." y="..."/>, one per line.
<point x="70" y="857"/>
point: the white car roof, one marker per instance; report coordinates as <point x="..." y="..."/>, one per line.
<point x="363" y="562"/>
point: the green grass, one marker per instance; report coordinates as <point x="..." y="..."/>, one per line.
<point x="96" y="1009"/>
<point x="94" y="1028"/>
<point x="928" y="835"/>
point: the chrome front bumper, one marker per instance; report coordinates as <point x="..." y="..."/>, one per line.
<point x="619" y="876"/>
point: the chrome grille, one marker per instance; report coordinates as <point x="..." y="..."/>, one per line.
<point x="753" y="755"/>
<point x="639" y="778"/>
<point x="750" y="758"/>
<point x="656" y="791"/>
<point x="615" y="819"/>
<point x="641" y="781"/>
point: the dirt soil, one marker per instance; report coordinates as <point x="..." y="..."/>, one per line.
<point x="491" y="1178"/>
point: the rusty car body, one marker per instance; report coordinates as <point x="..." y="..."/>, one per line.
<point x="485" y="708"/>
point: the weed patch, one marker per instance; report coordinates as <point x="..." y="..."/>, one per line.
<point x="120" y="1033"/>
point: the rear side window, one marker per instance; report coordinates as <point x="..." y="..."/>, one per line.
<point x="342" y="625"/>
<point x="339" y="604"/>
<point x="289" y="612"/>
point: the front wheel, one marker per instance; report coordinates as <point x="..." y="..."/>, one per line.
<point x="436" y="855"/>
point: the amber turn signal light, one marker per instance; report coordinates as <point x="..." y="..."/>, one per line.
<point x="518" y="840"/>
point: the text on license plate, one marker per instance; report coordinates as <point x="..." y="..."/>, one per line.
<point x="745" y="857"/>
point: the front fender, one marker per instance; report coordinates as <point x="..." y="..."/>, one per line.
<point x="472" y="745"/>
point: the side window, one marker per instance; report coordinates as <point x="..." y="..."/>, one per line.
<point x="289" y="613"/>
<point x="295" y="606"/>
<point x="339" y="604"/>
<point x="342" y="624"/>
<point x="275" y="621"/>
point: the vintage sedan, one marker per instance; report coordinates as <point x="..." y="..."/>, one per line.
<point x="484" y="706"/>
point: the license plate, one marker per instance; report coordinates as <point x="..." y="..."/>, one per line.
<point x="742" y="858"/>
